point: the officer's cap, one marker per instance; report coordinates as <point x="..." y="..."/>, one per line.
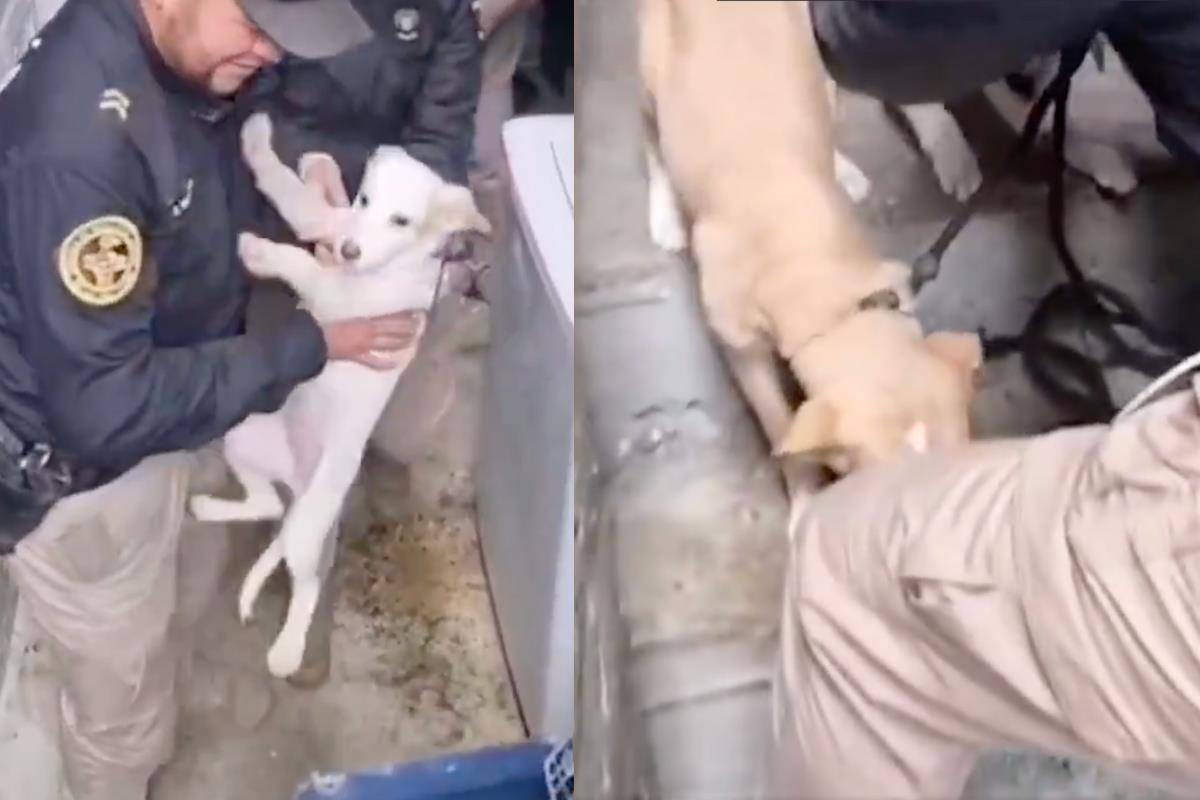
<point x="309" y="28"/>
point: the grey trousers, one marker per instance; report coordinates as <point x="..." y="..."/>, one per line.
<point x="114" y="581"/>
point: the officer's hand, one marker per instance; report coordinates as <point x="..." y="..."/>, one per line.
<point x="373" y="341"/>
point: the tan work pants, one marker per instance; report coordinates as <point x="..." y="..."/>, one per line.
<point x="114" y="580"/>
<point x="1041" y="593"/>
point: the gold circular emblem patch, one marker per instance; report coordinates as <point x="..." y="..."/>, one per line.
<point x="100" y="261"/>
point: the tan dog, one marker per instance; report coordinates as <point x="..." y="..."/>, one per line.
<point x="740" y="145"/>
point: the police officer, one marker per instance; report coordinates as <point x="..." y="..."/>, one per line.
<point x="911" y="51"/>
<point x="122" y="348"/>
<point x="415" y="84"/>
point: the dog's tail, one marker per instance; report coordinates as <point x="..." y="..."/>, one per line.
<point x="256" y="578"/>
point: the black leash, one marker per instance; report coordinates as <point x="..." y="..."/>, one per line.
<point x="1073" y="380"/>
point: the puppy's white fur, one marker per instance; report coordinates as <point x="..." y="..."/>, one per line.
<point x="314" y="443"/>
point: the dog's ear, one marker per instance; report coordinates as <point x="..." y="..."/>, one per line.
<point x="963" y="351"/>
<point x="454" y="210"/>
<point x="812" y="429"/>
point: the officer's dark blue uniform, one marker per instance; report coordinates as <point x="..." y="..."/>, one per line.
<point x="94" y="126"/>
<point x="415" y="85"/>
<point x="909" y="51"/>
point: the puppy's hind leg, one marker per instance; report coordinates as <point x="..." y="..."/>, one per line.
<point x="305" y="530"/>
<point x="257" y="577"/>
<point x="257" y="452"/>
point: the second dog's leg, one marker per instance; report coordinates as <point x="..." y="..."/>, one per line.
<point x="942" y="140"/>
<point x="754" y="370"/>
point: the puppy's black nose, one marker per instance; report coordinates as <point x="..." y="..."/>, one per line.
<point x="350" y="251"/>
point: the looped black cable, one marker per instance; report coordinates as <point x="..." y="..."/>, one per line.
<point x="1072" y="379"/>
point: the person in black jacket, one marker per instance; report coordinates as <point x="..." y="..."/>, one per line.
<point x="414" y="84"/>
<point x="122" y="344"/>
<point x="912" y="51"/>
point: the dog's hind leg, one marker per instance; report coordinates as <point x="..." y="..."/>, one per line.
<point x="308" y="524"/>
<point x="257" y="452"/>
<point x="256" y="578"/>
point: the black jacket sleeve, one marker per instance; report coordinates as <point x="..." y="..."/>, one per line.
<point x="909" y="51"/>
<point x="440" y="129"/>
<point x="1160" y="45"/>
<point x="111" y="397"/>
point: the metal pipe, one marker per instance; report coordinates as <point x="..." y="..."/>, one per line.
<point x="686" y="542"/>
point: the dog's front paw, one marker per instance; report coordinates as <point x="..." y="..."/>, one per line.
<point x="256" y="139"/>
<point x="255" y="253"/>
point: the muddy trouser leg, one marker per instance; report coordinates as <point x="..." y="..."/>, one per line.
<point x="489" y="178"/>
<point x="99" y="580"/>
<point x="920" y="630"/>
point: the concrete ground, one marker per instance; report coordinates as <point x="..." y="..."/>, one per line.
<point x="993" y="275"/>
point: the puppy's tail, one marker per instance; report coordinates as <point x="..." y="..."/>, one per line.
<point x="256" y="578"/>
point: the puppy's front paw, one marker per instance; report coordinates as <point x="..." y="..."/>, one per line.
<point x="256" y="139"/>
<point x="255" y="253"/>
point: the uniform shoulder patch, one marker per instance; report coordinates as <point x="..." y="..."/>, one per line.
<point x="99" y="262"/>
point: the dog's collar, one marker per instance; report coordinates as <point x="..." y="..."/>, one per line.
<point x="884" y="299"/>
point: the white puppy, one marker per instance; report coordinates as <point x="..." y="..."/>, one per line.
<point x="388" y="240"/>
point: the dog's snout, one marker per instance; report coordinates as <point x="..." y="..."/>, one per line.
<point x="350" y="250"/>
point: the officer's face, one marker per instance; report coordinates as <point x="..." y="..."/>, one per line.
<point x="211" y="42"/>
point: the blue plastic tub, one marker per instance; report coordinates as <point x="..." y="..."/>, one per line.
<point x="496" y="773"/>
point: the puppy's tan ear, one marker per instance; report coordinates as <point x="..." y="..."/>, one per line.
<point x="811" y="430"/>
<point x="454" y="210"/>
<point x="963" y="351"/>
